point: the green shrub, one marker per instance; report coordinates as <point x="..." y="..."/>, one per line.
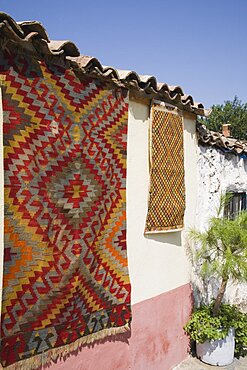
<point x="204" y="326"/>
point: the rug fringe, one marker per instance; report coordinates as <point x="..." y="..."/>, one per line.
<point x="45" y="358"/>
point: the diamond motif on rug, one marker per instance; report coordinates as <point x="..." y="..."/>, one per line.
<point x="66" y="278"/>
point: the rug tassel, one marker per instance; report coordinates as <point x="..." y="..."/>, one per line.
<point x="54" y="354"/>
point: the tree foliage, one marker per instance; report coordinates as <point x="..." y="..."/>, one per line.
<point x="231" y="112"/>
<point x="222" y="254"/>
<point x="223" y="249"/>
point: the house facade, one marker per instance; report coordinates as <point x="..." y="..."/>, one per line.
<point x="75" y="200"/>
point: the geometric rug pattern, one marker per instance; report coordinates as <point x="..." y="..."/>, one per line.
<point x="166" y="204"/>
<point x="65" y="271"/>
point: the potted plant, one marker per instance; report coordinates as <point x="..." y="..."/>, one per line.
<point x="221" y="255"/>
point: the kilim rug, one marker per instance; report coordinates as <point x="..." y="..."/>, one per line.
<point x="65" y="272"/>
<point x="167" y="190"/>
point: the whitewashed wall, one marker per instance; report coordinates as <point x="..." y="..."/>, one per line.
<point x="157" y="262"/>
<point x="219" y="172"/>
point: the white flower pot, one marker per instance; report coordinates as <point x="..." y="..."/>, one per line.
<point x="217" y="352"/>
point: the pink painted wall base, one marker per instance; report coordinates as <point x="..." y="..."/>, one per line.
<point x="156" y="341"/>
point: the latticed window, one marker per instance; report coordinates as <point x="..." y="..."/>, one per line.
<point x="237" y="204"/>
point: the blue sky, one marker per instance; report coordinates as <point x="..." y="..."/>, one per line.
<point x="200" y="45"/>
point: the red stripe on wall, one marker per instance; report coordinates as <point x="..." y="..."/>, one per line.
<point x="156" y="342"/>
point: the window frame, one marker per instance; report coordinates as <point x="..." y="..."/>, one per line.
<point x="237" y="203"/>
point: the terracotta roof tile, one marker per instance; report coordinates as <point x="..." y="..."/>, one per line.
<point x="31" y="36"/>
<point x="33" y="26"/>
<point x="216" y="139"/>
<point x="147" y="85"/>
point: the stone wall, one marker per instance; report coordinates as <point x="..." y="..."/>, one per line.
<point x="219" y="172"/>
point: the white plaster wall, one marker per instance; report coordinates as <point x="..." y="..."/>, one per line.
<point x="219" y="172"/>
<point x="158" y="262"/>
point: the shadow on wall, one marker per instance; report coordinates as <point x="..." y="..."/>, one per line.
<point x="174" y="238"/>
<point x="190" y="129"/>
<point x="140" y="113"/>
<point x="124" y="338"/>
